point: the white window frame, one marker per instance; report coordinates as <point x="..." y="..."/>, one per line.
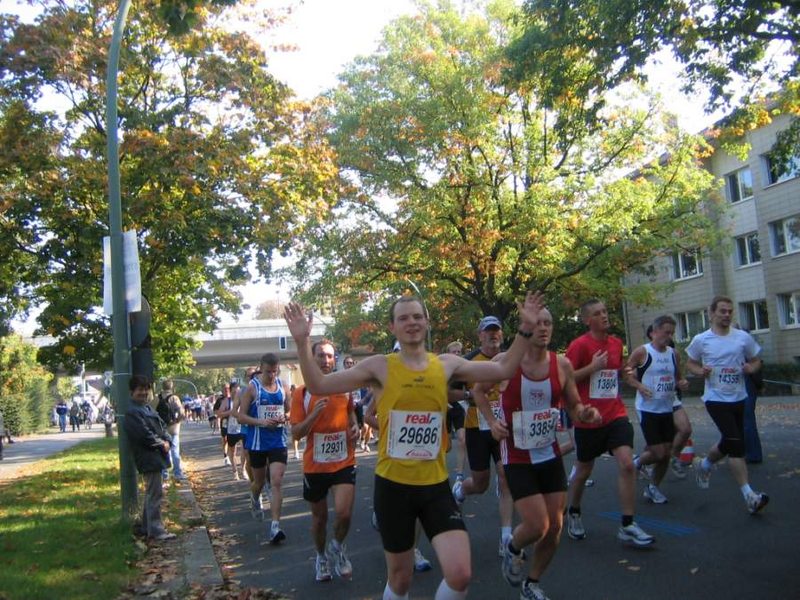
<point x="744" y="249"/>
<point x="683" y="331"/>
<point x="789" y="310"/>
<point x="750" y="316"/>
<point x="791" y="173"/>
<point x="679" y="270"/>
<point x="779" y="232"/>
<point x="738" y="185"/>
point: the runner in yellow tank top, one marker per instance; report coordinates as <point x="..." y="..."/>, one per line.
<point x="397" y="504"/>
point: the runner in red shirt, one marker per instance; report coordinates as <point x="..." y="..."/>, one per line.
<point x="596" y="357"/>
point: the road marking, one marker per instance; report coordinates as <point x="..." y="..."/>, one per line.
<point x="668" y="527"/>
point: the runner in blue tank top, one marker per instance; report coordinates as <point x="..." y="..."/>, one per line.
<point x="264" y="407"/>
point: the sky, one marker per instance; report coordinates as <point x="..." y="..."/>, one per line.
<point x="328" y="34"/>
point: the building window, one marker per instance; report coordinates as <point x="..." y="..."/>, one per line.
<point x="686" y="264"/>
<point x="282" y="342"/>
<point x="740" y="185"/>
<point x="748" y="251"/>
<point x="753" y="315"/>
<point x="778" y="172"/>
<point x="690" y="324"/>
<point x="789" y="309"/>
<point x="785" y="236"/>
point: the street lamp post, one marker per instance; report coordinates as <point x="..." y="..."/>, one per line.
<point x="119" y="319"/>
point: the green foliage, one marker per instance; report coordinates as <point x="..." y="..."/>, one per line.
<point x="736" y="51"/>
<point x="478" y="189"/>
<point x="217" y="165"/>
<point x="24" y="399"/>
<point x="779" y="378"/>
<point x="207" y="381"/>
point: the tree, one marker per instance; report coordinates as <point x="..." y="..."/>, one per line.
<point x="476" y="190"/>
<point x="270" y="309"/>
<point x="24" y="383"/>
<point x="730" y="48"/>
<point x="217" y="162"/>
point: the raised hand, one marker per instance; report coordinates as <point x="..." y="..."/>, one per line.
<point x="530" y="309"/>
<point x="298" y="321"/>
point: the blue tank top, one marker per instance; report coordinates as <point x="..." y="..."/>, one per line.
<point x="266" y="405"/>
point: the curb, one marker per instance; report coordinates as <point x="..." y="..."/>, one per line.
<point x="200" y="565"/>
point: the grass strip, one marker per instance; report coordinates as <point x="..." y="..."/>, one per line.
<point x="61" y="531"/>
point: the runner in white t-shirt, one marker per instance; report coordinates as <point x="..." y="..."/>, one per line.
<point x="723" y="356"/>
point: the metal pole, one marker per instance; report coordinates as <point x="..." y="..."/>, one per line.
<point x="119" y="320"/>
<point x="427" y="314"/>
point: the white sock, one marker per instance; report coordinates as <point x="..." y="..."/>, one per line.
<point x="706" y="464"/>
<point x="747" y="491"/>
<point x="505" y="533"/>
<point x="445" y="592"/>
<point x="275" y="525"/>
<point x="388" y="594"/>
<point x="335" y="544"/>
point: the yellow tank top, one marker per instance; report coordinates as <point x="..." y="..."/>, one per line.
<point x="411" y="415"/>
<point x="471" y="419"/>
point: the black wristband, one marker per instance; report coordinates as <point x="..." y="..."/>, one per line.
<point x="525" y="334"/>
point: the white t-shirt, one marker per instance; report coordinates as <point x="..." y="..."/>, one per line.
<point x="658" y="374"/>
<point x="726" y="354"/>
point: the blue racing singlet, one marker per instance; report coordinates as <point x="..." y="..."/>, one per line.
<point x="266" y="405"/>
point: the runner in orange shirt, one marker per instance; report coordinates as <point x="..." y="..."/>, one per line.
<point x="330" y="427"/>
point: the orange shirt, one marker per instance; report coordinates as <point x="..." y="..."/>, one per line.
<point x="328" y="448"/>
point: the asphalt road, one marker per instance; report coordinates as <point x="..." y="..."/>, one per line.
<point x="707" y="545"/>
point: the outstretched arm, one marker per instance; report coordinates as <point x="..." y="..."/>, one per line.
<point x="338" y="382"/>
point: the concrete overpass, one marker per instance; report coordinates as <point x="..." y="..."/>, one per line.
<point x="240" y="344"/>
<point x="243" y="343"/>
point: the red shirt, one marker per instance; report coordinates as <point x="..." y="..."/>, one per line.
<point x="580" y="354"/>
<point x="542" y="393"/>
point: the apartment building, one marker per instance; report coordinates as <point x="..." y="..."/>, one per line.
<point x="758" y="267"/>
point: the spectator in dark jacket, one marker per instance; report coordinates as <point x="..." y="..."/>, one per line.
<point x="150" y="444"/>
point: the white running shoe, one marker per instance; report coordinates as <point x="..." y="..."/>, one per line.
<point x="322" y="569"/>
<point x="703" y="477"/>
<point x="513" y="566"/>
<point x="256" y="508"/>
<point x="575" y="528"/>
<point x="341" y="564"/>
<point x="756" y="501"/>
<point x="652" y="493"/>
<point x="276" y="535"/>
<point x="677" y="468"/>
<point x="226" y="461"/>
<point x="458" y="492"/>
<point x="532" y="591"/>
<point x="635" y="534"/>
<point x="421" y="564"/>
